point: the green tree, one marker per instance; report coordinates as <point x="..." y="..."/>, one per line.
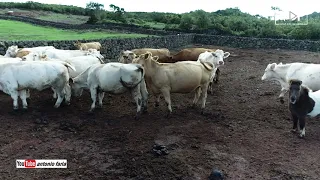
<point x="186" y="22"/>
<point x="95" y="6"/>
<point x="202" y="20"/>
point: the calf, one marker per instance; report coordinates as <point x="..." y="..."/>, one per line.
<point x="16" y="78"/>
<point x="303" y="102"/>
<point x="309" y="74"/>
<point x="113" y="78"/>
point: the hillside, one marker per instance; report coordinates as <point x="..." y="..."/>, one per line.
<point x="230" y="21"/>
<point x="24" y="31"/>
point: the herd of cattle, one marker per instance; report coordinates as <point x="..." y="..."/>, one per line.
<point x="68" y="72"/>
<point x="140" y="71"/>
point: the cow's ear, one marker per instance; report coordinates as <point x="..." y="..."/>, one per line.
<point x="226" y="54"/>
<point x="122" y="52"/>
<point x="156" y="58"/>
<point x="273" y="66"/>
<point x="146" y="55"/>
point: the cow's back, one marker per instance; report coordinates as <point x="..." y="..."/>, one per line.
<point x="182" y="77"/>
<point x="309" y="74"/>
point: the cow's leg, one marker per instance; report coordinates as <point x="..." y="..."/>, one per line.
<point x="15" y="95"/>
<point x="196" y="96"/>
<point x="28" y="94"/>
<point x="283" y="92"/>
<point x="216" y="78"/>
<point x="60" y="96"/>
<point x="204" y="94"/>
<point x="302" y="127"/>
<point x="166" y="94"/>
<point x="23" y="97"/>
<point x="93" y="92"/>
<point x="100" y="98"/>
<point x="136" y="94"/>
<point x="157" y="102"/>
<point x="295" y="122"/>
<point x="67" y="92"/>
<point x="54" y="93"/>
<point x="144" y="95"/>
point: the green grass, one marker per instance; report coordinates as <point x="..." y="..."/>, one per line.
<point x="15" y="30"/>
<point x="156" y="25"/>
<point x="49" y="16"/>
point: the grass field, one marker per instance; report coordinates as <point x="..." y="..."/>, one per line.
<point x="14" y="30"/>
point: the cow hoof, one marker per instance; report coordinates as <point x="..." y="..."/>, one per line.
<point x="294" y="130"/>
<point x="168" y="115"/>
<point x="281" y="100"/>
<point x="56" y="106"/>
<point x="24" y="109"/>
<point x="136" y="117"/>
<point x="67" y="103"/>
<point x="301" y="136"/>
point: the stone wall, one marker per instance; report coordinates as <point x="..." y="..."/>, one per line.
<point x="111" y="47"/>
<point x="248" y="42"/>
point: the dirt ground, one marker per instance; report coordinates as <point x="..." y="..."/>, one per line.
<point x="245" y="132"/>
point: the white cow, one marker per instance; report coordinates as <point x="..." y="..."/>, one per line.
<point x="114" y="78"/>
<point x="81" y="63"/>
<point x="309" y="74"/>
<point x="64" y="54"/>
<point x="12" y="51"/>
<point x="16" y="78"/>
<point x="215" y="59"/>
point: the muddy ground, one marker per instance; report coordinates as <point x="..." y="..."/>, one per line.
<point x="245" y="132"/>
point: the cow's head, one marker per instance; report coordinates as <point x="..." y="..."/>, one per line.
<point x="269" y="72"/>
<point x="146" y="58"/>
<point x="77" y="44"/>
<point x="76" y="87"/>
<point x="218" y="56"/>
<point x="12" y="51"/>
<point x="126" y="57"/>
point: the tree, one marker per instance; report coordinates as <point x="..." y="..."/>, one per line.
<point x="118" y="13"/>
<point x="95" y="6"/>
<point x="186" y="22"/>
<point x="201" y="19"/>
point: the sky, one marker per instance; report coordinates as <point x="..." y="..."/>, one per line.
<point x="253" y="7"/>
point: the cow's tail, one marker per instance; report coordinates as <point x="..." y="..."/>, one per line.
<point x="68" y="65"/>
<point x="131" y="86"/>
<point x="208" y="66"/>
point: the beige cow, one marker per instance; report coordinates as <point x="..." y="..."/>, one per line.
<point x="180" y="77"/>
<point x="89" y="45"/>
<point x="163" y="53"/>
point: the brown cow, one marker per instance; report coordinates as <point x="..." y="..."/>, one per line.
<point x="179" y="77"/>
<point x="163" y="53"/>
